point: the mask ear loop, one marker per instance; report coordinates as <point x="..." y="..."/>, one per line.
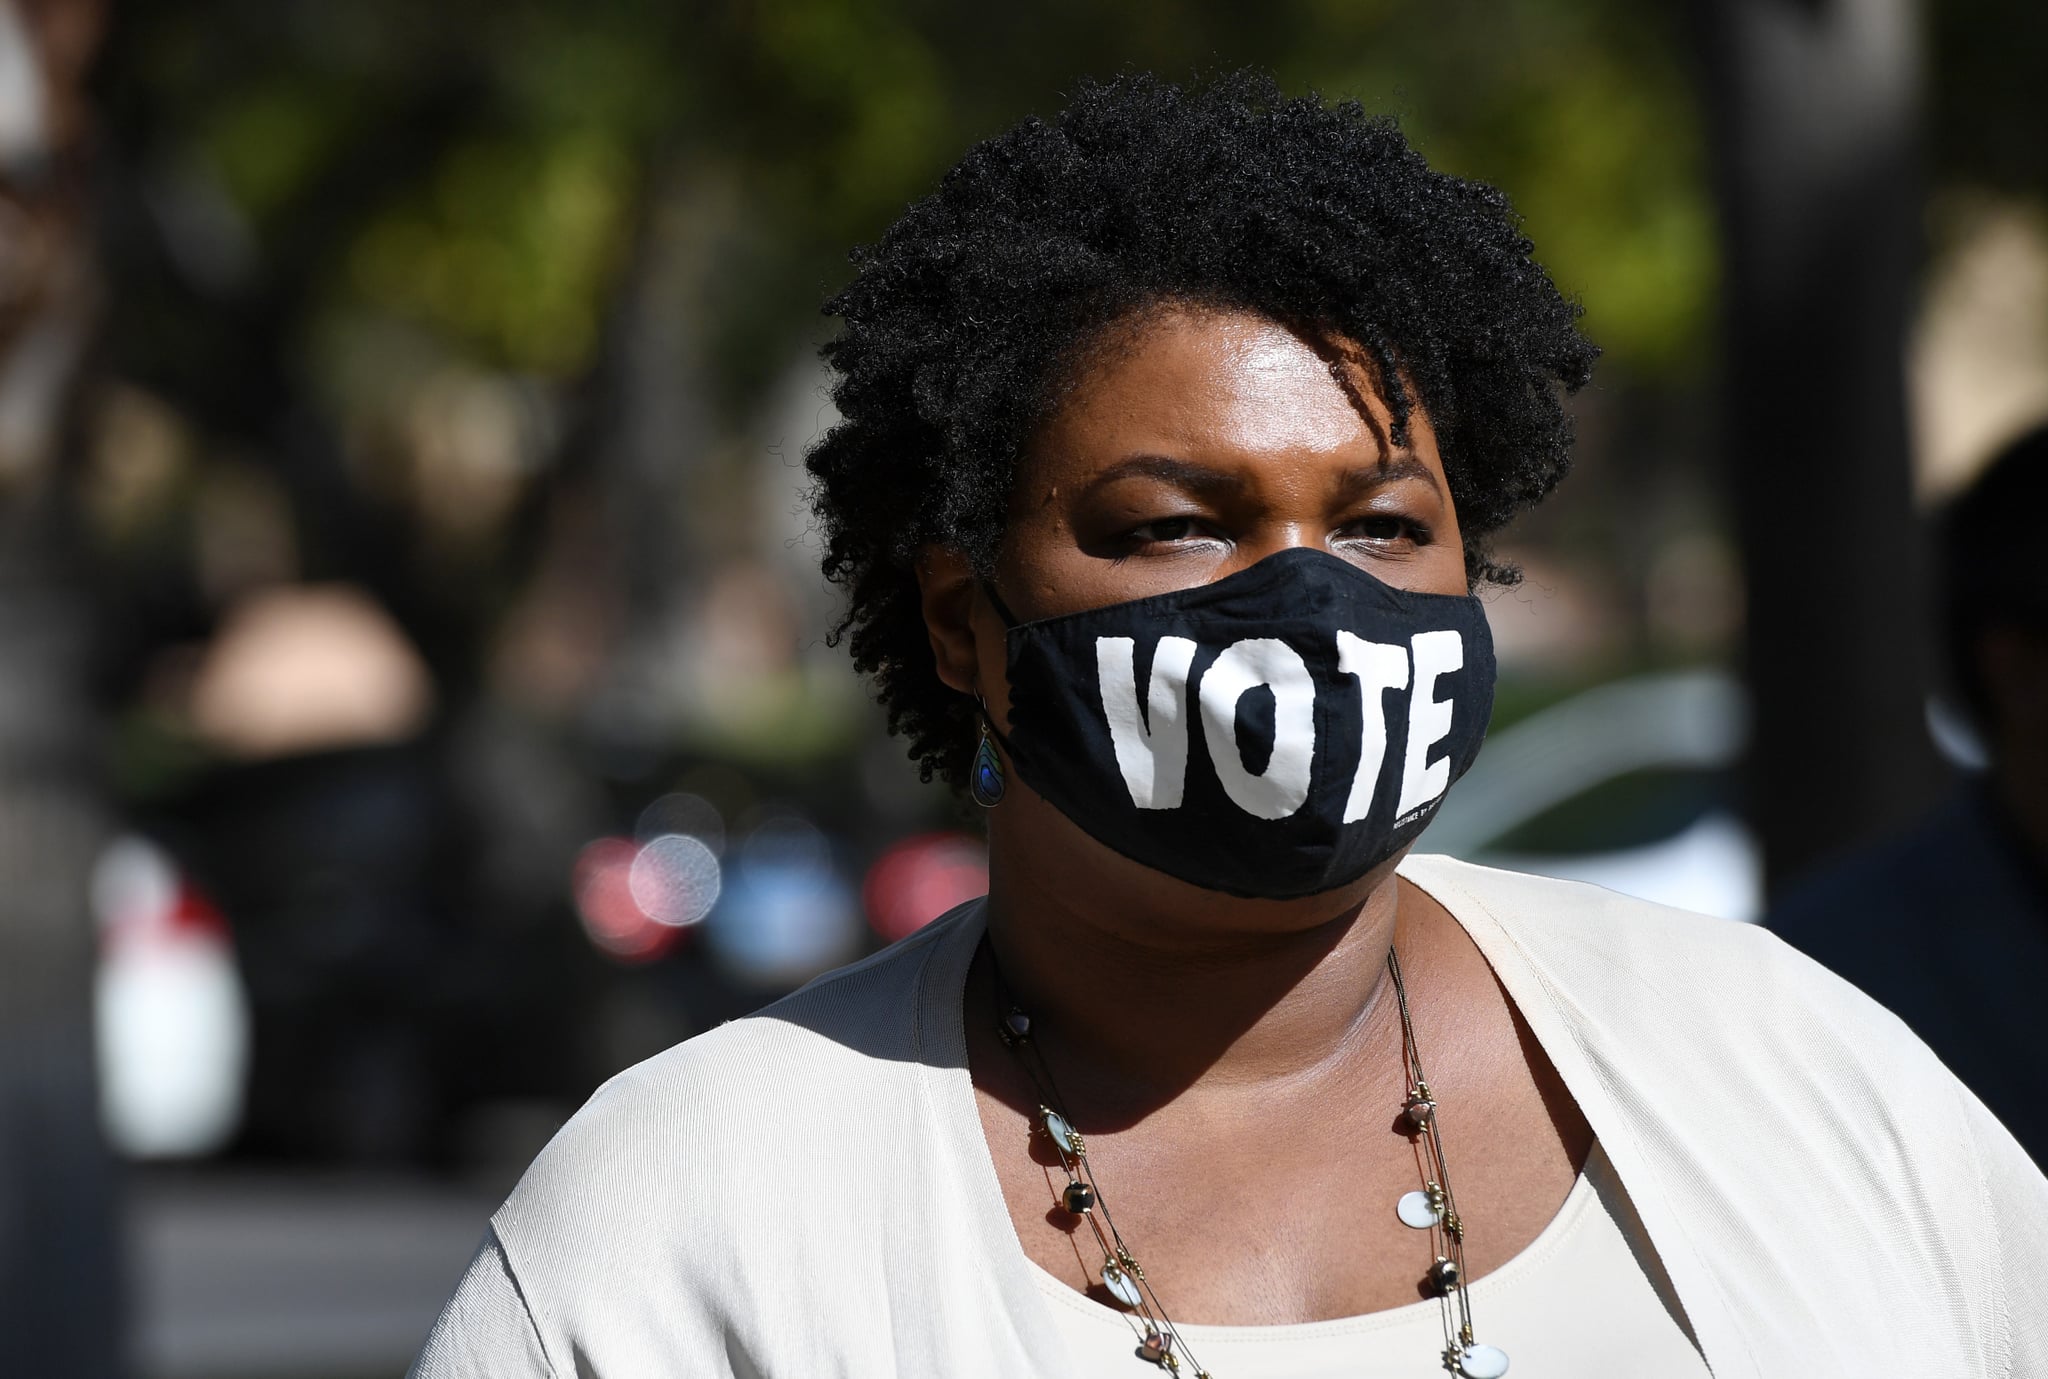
<point x="995" y="601"/>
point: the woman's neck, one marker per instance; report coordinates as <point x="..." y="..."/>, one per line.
<point x="1144" y="992"/>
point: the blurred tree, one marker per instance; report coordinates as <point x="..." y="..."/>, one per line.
<point x="1984" y="102"/>
<point x="1817" y="118"/>
<point x="60" y="1276"/>
<point x="616" y="219"/>
<point x="841" y="112"/>
<point x="321" y="206"/>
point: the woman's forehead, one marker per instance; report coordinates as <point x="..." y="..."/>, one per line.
<point x="1219" y="384"/>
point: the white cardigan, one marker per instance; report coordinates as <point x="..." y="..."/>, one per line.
<point x="806" y="1192"/>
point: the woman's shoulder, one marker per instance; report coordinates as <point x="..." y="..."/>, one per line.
<point x="803" y="1094"/>
<point x="1606" y="949"/>
<point x="1708" y="1025"/>
<point x="1735" y="1082"/>
<point x="728" y="1179"/>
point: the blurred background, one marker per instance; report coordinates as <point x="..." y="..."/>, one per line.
<point x="415" y="697"/>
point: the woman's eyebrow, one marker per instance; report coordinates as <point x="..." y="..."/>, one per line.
<point x="1365" y="478"/>
<point x="1184" y="474"/>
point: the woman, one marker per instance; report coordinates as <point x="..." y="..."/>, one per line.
<point x="1173" y="434"/>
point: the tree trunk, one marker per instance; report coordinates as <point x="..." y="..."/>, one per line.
<point x="60" y="1294"/>
<point x="1814" y="110"/>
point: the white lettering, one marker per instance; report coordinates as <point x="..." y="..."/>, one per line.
<point x="1151" y="751"/>
<point x="1429" y="719"/>
<point x="1379" y="668"/>
<point x="1243" y="666"/>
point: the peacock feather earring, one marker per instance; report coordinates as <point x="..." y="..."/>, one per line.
<point x="985" y="780"/>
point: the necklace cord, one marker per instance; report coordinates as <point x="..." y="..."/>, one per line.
<point x="1160" y="1344"/>
<point x="1074" y="1160"/>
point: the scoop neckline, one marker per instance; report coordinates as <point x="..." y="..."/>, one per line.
<point x="1570" y="1214"/>
<point x="950" y="1093"/>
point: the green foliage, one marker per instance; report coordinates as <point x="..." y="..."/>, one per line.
<point x="1581" y="111"/>
<point x="869" y="100"/>
<point x="509" y="249"/>
<point x="477" y="170"/>
<point x="267" y="142"/>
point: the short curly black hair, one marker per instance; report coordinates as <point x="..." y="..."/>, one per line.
<point x="960" y="323"/>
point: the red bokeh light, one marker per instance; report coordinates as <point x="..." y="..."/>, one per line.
<point x="919" y="879"/>
<point x="603" y="887"/>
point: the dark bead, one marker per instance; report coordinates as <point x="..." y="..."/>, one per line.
<point x="1078" y="1197"/>
<point x="1444" y="1275"/>
<point x="1153" y="1348"/>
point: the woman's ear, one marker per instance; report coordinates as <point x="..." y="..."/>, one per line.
<point x="945" y="583"/>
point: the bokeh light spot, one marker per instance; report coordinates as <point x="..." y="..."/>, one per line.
<point x="917" y="880"/>
<point x="682" y="812"/>
<point x="613" y="920"/>
<point x="675" y="879"/>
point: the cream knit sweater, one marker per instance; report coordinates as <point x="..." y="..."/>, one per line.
<point x="806" y="1192"/>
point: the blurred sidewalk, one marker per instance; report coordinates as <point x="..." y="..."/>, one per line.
<point x="293" y="1276"/>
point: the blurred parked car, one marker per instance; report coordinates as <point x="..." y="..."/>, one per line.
<point x="1629" y="785"/>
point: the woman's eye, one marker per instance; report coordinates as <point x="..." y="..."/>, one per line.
<point x="1165" y="531"/>
<point x="1383" y="528"/>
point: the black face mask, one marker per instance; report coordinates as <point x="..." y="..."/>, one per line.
<point x="1277" y="733"/>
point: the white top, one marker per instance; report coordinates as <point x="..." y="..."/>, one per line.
<point x="1579" y="1300"/>
<point x="807" y="1191"/>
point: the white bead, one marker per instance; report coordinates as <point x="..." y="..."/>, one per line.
<point x="1414" y="1210"/>
<point x="1061" y="1132"/>
<point x="1483" y="1362"/>
<point x="1121" y="1285"/>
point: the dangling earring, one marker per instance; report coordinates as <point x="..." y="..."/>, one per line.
<point x="985" y="780"/>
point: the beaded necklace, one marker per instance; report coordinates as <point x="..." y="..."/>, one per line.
<point x="1430" y="1208"/>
